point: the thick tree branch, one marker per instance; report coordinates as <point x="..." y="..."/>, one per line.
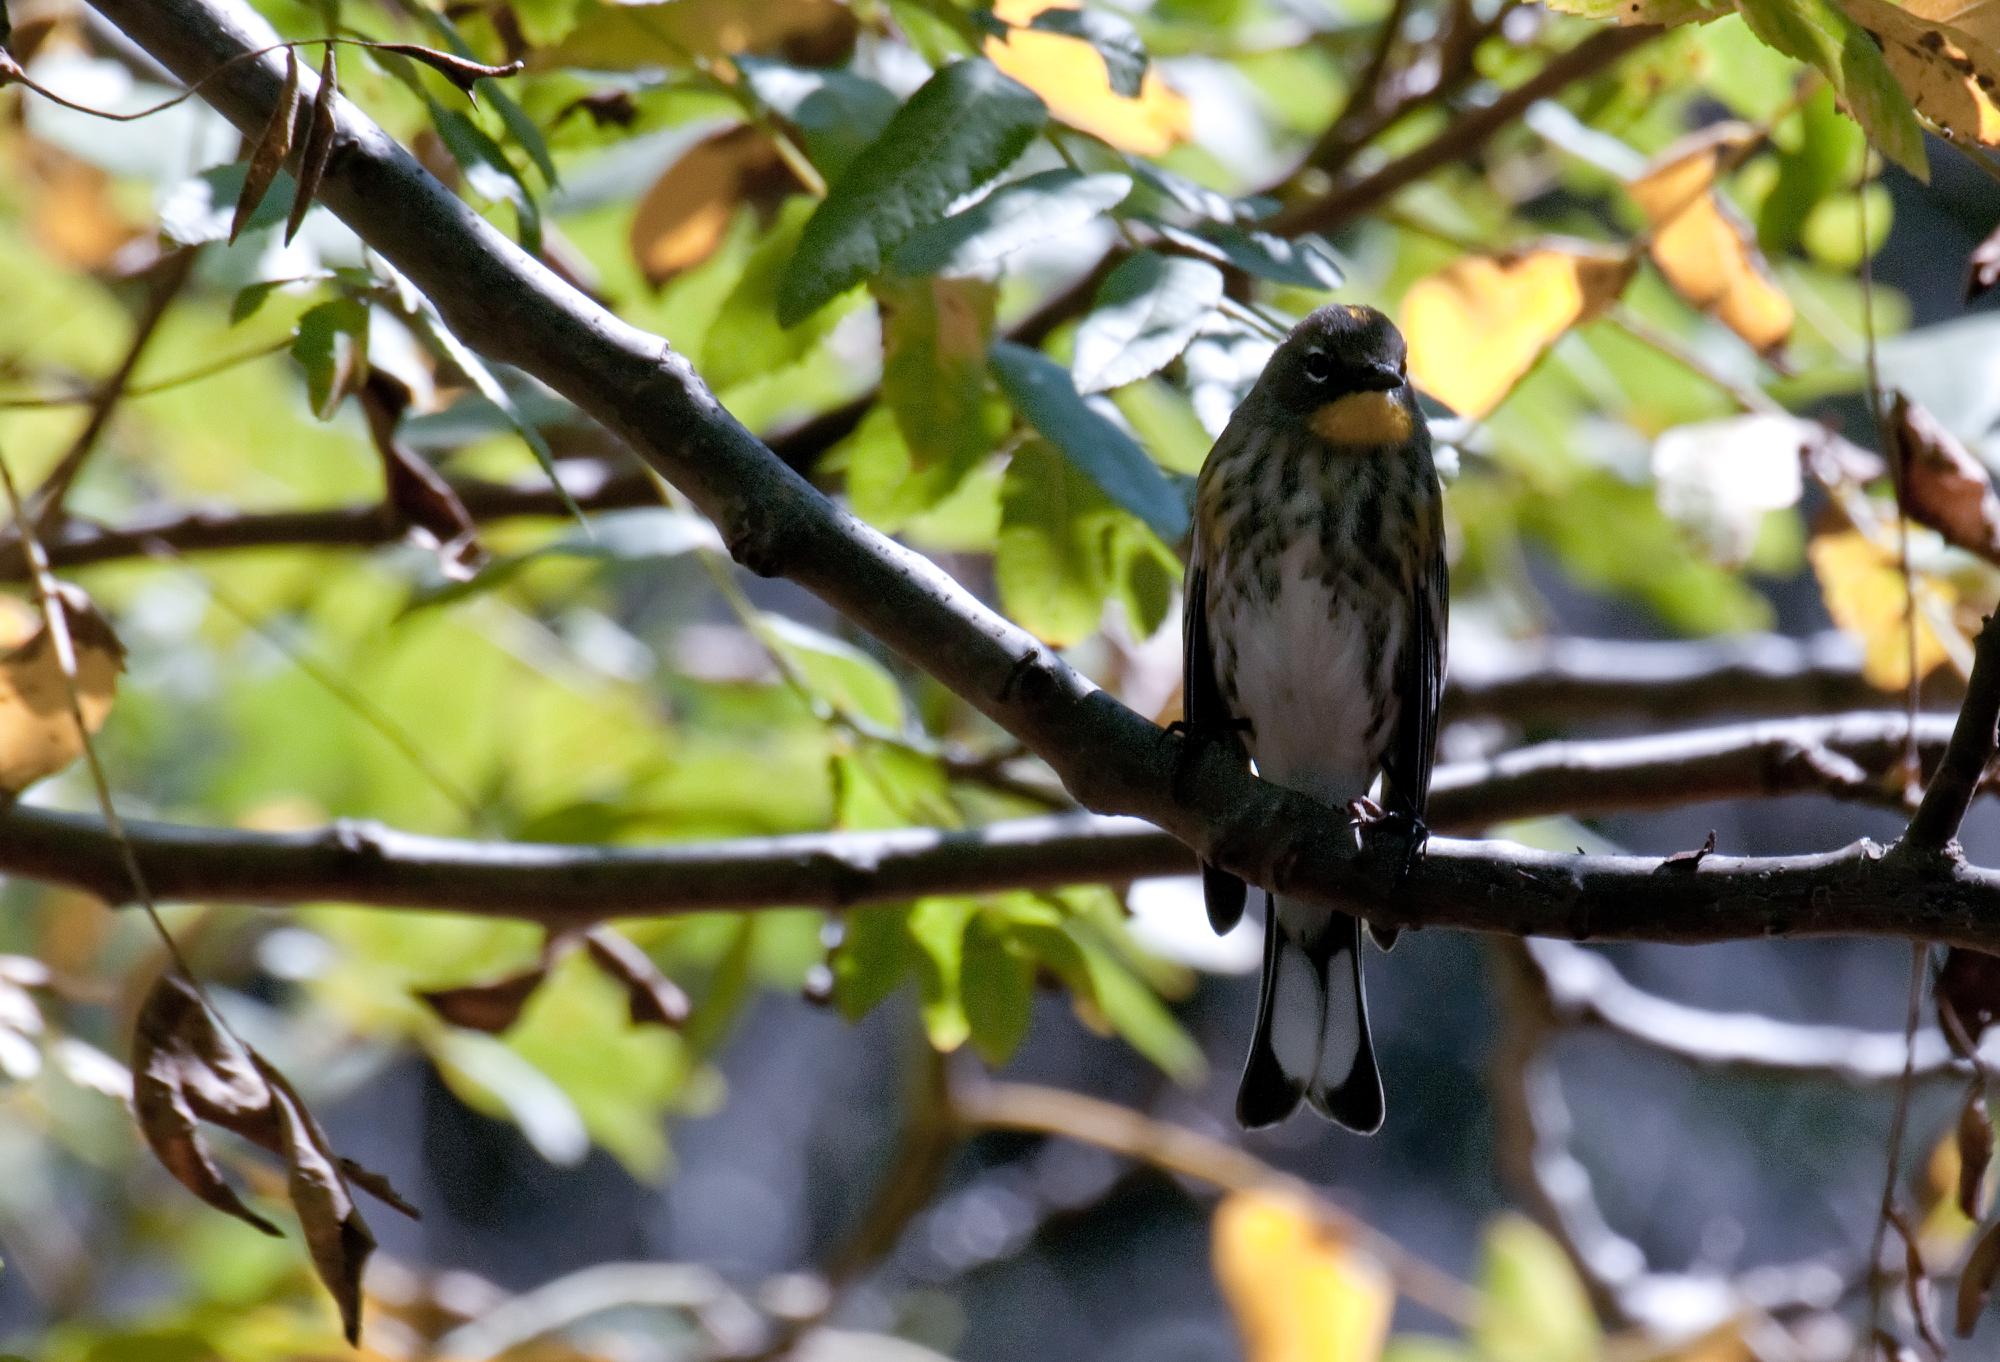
<point x="1110" y="758"/>
<point x="365" y="863"/>
<point x="1958" y="776"/>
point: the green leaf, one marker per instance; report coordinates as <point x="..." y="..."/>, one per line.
<point x="997" y="983"/>
<point x="875" y="955"/>
<point x="652" y="534"/>
<point x="1305" y="263"/>
<point x="965" y="125"/>
<point x="1146" y="312"/>
<point x="488" y="172"/>
<point x="839" y="673"/>
<point x="1050" y="560"/>
<point x="1532" y="1308"/>
<point x="1144" y="574"/>
<point x="1114" y="38"/>
<point x="837" y="113"/>
<point x="199" y="209"/>
<point x="1818" y="150"/>
<point x="1818" y="33"/>
<point x="1165" y="189"/>
<point x="331" y="344"/>
<point x="746" y="341"/>
<point x="1019" y="213"/>
<point x="1043" y="394"/>
<point x="934" y="338"/>
<point x="937" y="926"/>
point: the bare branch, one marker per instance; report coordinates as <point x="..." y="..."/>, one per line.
<point x="1958" y="776"/>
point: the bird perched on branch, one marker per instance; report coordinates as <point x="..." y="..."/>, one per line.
<point x="1314" y="642"/>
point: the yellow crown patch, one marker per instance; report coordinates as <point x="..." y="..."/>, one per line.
<point x="1366" y="418"/>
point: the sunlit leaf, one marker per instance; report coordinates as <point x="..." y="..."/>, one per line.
<point x="1017" y="214"/>
<point x="934" y="338"/>
<point x="1532" y="1307"/>
<point x="38" y="734"/>
<point x="836" y="113"/>
<point x="670" y="33"/>
<point x="1480" y="324"/>
<point x="1072" y="76"/>
<point x="1701" y="246"/>
<point x="1305" y="263"/>
<point x="1945" y="55"/>
<point x="1721" y="478"/>
<point x="1819" y="34"/>
<point x="331" y="345"/>
<point x="684" y="216"/>
<point x="1144" y="315"/>
<point x="1298" y="1291"/>
<point x="962" y="127"/>
<point x="1864" y="592"/>
<point x="997" y="988"/>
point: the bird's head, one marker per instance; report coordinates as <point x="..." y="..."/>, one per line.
<point x="1343" y="374"/>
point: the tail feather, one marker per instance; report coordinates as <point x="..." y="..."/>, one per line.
<point x="1312" y="1025"/>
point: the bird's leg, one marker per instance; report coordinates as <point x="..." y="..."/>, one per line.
<point x="1403" y="824"/>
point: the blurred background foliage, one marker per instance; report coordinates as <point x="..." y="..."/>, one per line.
<point x="995" y="277"/>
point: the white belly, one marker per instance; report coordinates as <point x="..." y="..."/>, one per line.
<point x="1301" y="666"/>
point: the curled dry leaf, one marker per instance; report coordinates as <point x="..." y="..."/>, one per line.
<point x="460" y="71"/>
<point x="186" y="1070"/>
<point x="1945" y="487"/>
<point x="38" y="734"/>
<point x="318" y="149"/>
<point x="494" y="1006"/>
<point x="416" y="495"/>
<point x="274" y="144"/>
<point x="1297" y="1290"/>
<point x="1975" y="1152"/>
<point x="684" y="216"/>
<point x="1071" y="77"/>
<point x="1862" y="585"/>
<point x="1477" y="326"/>
<point x="491" y="1007"/>
<point x="1967" y="992"/>
<point x="1701" y="246"/>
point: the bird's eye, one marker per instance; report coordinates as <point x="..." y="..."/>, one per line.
<point x="1318" y="368"/>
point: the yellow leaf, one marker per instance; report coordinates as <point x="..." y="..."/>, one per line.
<point x="1477" y="326"/>
<point x="685" y="215"/>
<point x="1299" y="1293"/>
<point x="1703" y="249"/>
<point x="38" y="734"/>
<point x="1863" y="588"/>
<point x="1070" y="77"/>
<point x="1945" y="55"/>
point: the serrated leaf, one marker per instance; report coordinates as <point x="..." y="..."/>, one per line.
<point x="1819" y="34"/>
<point x="1034" y="208"/>
<point x="1043" y="394"/>
<point x="836" y="113"/>
<point x="965" y="125"/>
<point x="1144" y="315"/>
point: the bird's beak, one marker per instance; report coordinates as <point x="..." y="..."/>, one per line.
<point x="1379" y="378"/>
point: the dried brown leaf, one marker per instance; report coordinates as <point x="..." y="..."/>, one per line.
<point x="608" y="108"/>
<point x="491" y="1007"/>
<point x="274" y="144"/>
<point x="460" y="71"/>
<point x="650" y="995"/>
<point x="415" y="493"/>
<point x="187" y="1069"/>
<point x="1945" y="488"/>
<point x="684" y="216"/>
<point x="1975" y="1284"/>
<point x="1968" y="984"/>
<point x="318" y="150"/>
<point x="1975" y="1153"/>
<point x="38" y="734"/>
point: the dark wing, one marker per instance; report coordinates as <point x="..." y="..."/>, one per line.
<point x="1207" y="719"/>
<point x="1413" y="748"/>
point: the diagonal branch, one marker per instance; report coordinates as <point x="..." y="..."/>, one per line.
<point x="1111" y="759"/>
<point x="1958" y="776"/>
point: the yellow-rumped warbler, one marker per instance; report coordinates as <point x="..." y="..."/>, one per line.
<point x="1315" y="633"/>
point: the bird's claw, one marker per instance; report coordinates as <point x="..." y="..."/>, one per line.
<point x="1401" y="825"/>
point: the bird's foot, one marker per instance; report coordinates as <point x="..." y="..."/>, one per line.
<point x="1401" y="826"/>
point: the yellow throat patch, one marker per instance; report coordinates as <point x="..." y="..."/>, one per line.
<point x="1365" y="418"/>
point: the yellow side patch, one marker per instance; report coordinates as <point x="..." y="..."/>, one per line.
<point x="1362" y="419"/>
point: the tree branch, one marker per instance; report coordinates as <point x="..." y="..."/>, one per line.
<point x="1958" y="776"/>
<point x="1111" y="759"/>
<point x="365" y="863"/>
